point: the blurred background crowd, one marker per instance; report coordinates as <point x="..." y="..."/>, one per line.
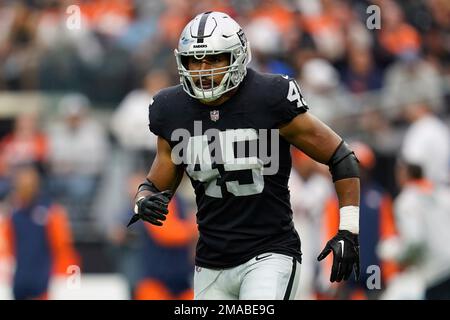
<point x="74" y="141"/>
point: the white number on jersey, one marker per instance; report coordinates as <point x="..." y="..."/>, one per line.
<point x="198" y="151"/>
<point x="294" y="94"/>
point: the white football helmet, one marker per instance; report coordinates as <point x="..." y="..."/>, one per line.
<point x="212" y="33"/>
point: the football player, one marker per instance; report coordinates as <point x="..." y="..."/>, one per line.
<point x="248" y="247"/>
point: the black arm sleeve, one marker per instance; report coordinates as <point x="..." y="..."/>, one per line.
<point x="343" y="163"/>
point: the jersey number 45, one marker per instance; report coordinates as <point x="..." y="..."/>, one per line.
<point x="207" y="170"/>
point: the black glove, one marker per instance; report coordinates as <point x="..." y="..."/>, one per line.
<point x="345" y="247"/>
<point x="152" y="208"/>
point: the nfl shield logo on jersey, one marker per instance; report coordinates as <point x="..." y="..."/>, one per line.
<point x="214" y="115"/>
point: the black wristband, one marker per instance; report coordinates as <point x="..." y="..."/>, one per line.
<point x="148" y="186"/>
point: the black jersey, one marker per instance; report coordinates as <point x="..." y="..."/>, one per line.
<point x="242" y="212"/>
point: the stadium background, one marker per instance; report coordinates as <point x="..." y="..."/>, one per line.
<point x="358" y="80"/>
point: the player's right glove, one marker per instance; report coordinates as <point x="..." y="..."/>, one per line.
<point x="152" y="208"/>
<point x="345" y="247"/>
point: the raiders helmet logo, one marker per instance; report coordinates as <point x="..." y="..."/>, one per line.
<point x="242" y="37"/>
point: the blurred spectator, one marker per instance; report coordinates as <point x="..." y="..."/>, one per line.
<point x="376" y="224"/>
<point x="173" y="20"/>
<point x="310" y="187"/>
<point x="53" y="34"/>
<point x="385" y="139"/>
<point x="25" y="145"/>
<point x="109" y="17"/>
<point x="19" y="51"/>
<point x="427" y="143"/>
<point x="436" y="39"/>
<point x="276" y="11"/>
<point x="162" y="266"/>
<point x="125" y="243"/>
<point x="396" y="36"/>
<point x="38" y="236"/>
<point x="423" y="220"/>
<point x="129" y="122"/>
<point x="379" y="132"/>
<point x="213" y="5"/>
<point x="412" y="79"/>
<point x="361" y="74"/>
<point x="358" y="36"/>
<point x="265" y="37"/>
<point x="270" y="27"/>
<point x="167" y="257"/>
<point x="320" y="82"/>
<point x="326" y="25"/>
<point x="78" y="153"/>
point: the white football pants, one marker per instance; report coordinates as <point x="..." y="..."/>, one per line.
<point x="268" y="276"/>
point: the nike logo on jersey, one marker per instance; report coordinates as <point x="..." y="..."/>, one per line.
<point x="342" y="246"/>
<point x="263" y="257"/>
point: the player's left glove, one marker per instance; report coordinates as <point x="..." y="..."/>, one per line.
<point x="345" y="247"/>
<point x="152" y="208"/>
